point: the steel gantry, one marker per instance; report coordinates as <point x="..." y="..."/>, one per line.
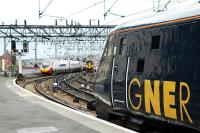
<point x="46" y="32"/>
<point x="82" y="39"/>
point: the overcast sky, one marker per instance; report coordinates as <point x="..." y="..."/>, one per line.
<point x="11" y="10"/>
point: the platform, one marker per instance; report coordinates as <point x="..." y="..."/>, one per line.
<point x="24" y="112"/>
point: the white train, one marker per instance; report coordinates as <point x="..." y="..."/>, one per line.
<point x="59" y="66"/>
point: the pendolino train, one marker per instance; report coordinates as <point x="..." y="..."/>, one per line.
<point x="150" y="71"/>
<point x="60" y="66"/>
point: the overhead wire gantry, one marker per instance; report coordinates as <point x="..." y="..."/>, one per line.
<point x="75" y="36"/>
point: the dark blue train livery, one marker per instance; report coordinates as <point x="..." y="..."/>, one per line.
<point x="150" y="72"/>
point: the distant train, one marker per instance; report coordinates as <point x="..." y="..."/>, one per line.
<point x="89" y="66"/>
<point x="60" y="66"/>
<point x="150" y="72"/>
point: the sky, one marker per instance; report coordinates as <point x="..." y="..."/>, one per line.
<point x="20" y="10"/>
<point x="10" y="10"/>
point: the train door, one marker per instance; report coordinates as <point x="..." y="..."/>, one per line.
<point x="119" y="74"/>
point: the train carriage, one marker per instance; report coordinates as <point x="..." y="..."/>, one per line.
<point x="60" y="66"/>
<point x="150" y="71"/>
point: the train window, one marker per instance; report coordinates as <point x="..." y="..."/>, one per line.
<point x="105" y="50"/>
<point x="155" y="43"/>
<point x="45" y="66"/>
<point x="140" y="65"/>
<point x="123" y="43"/>
<point x="109" y="47"/>
<point x="115" y="49"/>
<point x="62" y="65"/>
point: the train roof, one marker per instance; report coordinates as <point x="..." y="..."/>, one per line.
<point x="163" y="16"/>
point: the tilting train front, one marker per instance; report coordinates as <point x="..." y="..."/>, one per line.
<point x="150" y="71"/>
<point x="60" y="66"/>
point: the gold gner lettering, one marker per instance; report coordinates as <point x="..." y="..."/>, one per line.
<point x="152" y="98"/>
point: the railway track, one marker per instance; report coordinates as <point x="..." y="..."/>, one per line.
<point x="70" y="93"/>
<point x="78" y="88"/>
<point x="67" y="97"/>
<point x="50" y="95"/>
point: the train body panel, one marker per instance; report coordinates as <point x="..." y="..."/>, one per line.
<point x="153" y="72"/>
<point x="59" y="66"/>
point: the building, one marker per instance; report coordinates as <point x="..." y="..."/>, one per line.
<point x="8" y="61"/>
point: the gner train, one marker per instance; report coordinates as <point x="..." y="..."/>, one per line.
<point x="149" y="72"/>
<point x="60" y="66"/>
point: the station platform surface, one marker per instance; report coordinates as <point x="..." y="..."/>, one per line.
<point x="23" y="112"/>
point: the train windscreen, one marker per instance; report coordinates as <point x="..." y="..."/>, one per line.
<point x="45" y="66"/>
<point x="103" y="81"/>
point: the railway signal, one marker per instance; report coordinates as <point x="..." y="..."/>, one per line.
<point x="25" y="46"/>
<point x="13" y="46"/>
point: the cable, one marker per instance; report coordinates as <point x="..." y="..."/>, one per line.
<point x="165" y="7"/>
<point x="40" y="13"/>
<point x="144" y="11"/>
<point x="51" y="16"/>
<point x="133" y="14"/>
<point x="109" y="11"/>
<point x="105" y="14"/>
<point x="82" y="10"/>
<point x="122" y="16"/>
<point x="172" y="3"/>
<point x="75" y="13"/>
